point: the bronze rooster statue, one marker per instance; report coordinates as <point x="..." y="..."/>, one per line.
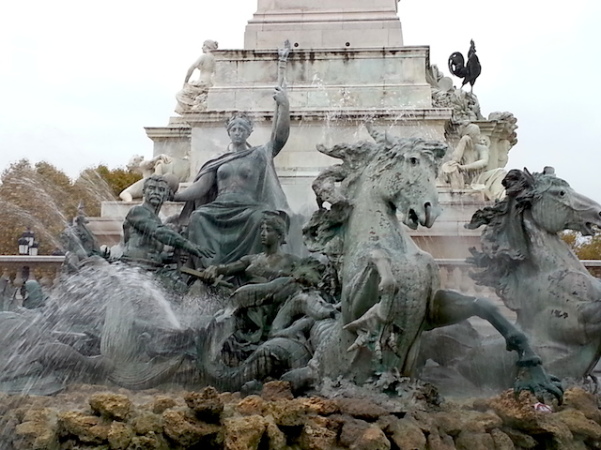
<point x="469" y="71"/>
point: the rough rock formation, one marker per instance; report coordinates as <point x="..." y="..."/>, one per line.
<point x="90" y="417"/>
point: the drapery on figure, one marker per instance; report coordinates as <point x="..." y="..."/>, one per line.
<point x="280" y="287"/>
<point x="272" y="262"/>
<point x="225" y="204"/>
<point x="193" y="95"/>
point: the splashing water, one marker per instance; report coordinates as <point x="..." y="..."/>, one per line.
<point x="108" y="322"/>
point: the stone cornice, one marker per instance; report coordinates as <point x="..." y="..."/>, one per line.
<point x="418" y="51"/>
<point x="405" y="115"/>
<point x="494" y="128"/>
<point x="169" y="132"/>
<point x="303" y="54"/>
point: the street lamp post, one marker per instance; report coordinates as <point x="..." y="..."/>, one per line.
<point x="33" y="249"/>
<point x="23" y="246"/>
<point x="27" y="243"/>
<point x="28" y="246"/>
<point x="29" y="235"/>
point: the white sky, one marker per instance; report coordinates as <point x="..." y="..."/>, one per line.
<point x="79" y="80"/>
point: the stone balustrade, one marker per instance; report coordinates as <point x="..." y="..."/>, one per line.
<point x="17" y="269"/>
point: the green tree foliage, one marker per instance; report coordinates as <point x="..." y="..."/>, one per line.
<point x="114" y="180"/>
<point x="585" y="247"/>
<point x="45" y="199"/>
<point x="39" y="197"/>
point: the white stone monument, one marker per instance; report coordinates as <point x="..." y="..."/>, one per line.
<point x="347" y="65"/>
<point x="317" y="24"/>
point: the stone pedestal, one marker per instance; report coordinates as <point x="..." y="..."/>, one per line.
<point x="319" y="24"/>
<point x="347" y="66"/>
<point x="448" y="238"/>
<point x="332" y="94"/>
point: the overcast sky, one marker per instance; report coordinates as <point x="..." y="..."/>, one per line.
<point x="79" y="80"/>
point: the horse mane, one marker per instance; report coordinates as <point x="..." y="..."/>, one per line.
<point x="504" y="241"/>
<point x="323" y="231"/>
<point x="336" y="184"/>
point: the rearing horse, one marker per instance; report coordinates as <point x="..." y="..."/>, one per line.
<point x="536" y="274"/>
<point x="390" y="288"/>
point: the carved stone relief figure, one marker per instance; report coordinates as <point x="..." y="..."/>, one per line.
<point x="193" y="96"/>
<point x="506" y="126"/>
<point x="174" y="170"/>
<point x="473" y="164"/>
<point x="464" y="104"/>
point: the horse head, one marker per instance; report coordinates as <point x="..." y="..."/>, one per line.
<point x="404" y="175"/>
<point x="397" y="173"/>
<point x="538" y="204"/>
<point x="553" y="204"/>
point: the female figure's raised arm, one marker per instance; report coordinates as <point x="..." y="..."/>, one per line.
<point x="281" y="121"/>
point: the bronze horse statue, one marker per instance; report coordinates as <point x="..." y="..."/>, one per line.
<point x="390" y="288"/>
<point x="536" y="274"/>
